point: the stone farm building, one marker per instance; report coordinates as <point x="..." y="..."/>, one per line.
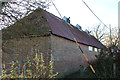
<point x="50" y="34"/>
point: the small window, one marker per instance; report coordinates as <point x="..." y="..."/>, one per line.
<point x="112" y="50"/>
<point x="95" y="49"/>
<point x="90" y="48"/>
<point x="99" y="50"/>
<point x="117" y="51"/>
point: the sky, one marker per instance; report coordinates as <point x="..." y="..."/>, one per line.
<point x="106" y="10"/>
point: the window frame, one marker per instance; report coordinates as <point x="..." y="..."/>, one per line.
<point x="99" y="50"/>
<point x="95" y="49"/>
<point x="90" y="48"/>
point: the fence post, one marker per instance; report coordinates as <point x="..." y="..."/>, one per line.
<point x="1" y="71"/>
<point x="24" y="69"/>
<point x="19" y="69"/>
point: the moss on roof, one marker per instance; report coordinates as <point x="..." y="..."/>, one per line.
<point x="33" y="24"/>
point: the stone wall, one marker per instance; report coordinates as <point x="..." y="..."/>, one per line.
<point x="67" y="55"/>
<point x="19" y="49"/>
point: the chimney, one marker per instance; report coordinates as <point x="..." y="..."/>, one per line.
<point x="88" y="32"/>
<point x="66" y="19"/>
<point x="79" y="27"/>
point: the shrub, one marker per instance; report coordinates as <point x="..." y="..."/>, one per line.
<point x="34" y="69"/>
<point x="103" y="66"/>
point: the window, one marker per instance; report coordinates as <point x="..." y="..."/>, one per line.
<point x="117" y="51"/>
<point x="99" y="50"/>
<point x="112" y="50"/>
<point x="90" y="48"/>
<point x="95" y="49"/>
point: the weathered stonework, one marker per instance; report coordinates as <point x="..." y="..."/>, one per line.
<point x="21" y="48"/>
<point x="67" y="55"/>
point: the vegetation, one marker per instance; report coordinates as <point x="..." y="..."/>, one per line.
<point x="34" y="69"/>
<point x="98" y="32"/>
<point x="105" y="35"/>
<point x="14" y="10"/>
<point x="103" y="66"/>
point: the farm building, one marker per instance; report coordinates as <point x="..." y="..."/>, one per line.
<point x="51" y="35"/>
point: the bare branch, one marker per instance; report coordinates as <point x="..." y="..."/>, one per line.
<point x="17" y="9"/>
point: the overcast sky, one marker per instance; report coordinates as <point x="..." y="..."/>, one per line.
<point x="106" y="10"/>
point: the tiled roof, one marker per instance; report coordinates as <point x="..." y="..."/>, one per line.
<point x="60" y="27"/>
<point x="38" y="22"/>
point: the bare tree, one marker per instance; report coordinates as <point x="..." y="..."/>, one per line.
<point x="14" y="10"/>
<point x="104" y="35"/>
<point x="112" y="38"/>
<point x="98" y="32"/>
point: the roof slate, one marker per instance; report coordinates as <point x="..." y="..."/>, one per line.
<point x="61" y="28"/>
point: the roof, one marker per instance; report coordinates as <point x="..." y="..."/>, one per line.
<point x="41" y="22"/>
<point x="35" y="24"/>
<point x="61" y="28"/>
